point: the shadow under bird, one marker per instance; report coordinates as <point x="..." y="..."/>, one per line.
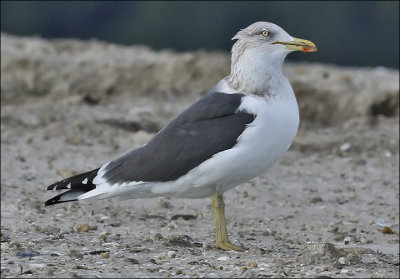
<point x="236" y="132"/>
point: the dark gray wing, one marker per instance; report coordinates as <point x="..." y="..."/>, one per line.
<point x="209" y="126"/>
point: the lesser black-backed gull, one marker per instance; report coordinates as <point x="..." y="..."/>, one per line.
<point x="231" y="135"/>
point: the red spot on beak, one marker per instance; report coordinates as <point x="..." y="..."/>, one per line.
<point x="307" y="49"/>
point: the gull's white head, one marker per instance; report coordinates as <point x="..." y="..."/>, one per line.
<point x="270" y="38"/>
<point x="258" y="54"/>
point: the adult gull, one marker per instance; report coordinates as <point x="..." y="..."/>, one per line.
<point x="236" y="132"/>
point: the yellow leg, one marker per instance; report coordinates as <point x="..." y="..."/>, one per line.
<point x="221" y="234"/>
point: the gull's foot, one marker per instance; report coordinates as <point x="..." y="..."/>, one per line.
<point x="229" y="246"/>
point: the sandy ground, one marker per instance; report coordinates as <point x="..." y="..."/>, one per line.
<point x="335" y="186"/>
<point x="329" y="208"/>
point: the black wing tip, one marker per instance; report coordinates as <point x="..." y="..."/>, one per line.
<point x="54" y="201"/>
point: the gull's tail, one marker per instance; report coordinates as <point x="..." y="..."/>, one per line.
<point x="77" y="185"/>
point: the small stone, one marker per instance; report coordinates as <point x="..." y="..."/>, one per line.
<point x="387" y="230"/>
<point x="82" y="227"/>
<point x="171" y="254"/>
<point x="342" y="261"/>
<point x="252" y="264"/>
<point x="178" y="272"/>
<point x="4" y="237"/>
<point x="93" y="227"/>
<point x="158" y="236"/>
<point x="131" y="261"/>
<point x="105" y="255"/>
<point x="345" y="147"/>
<point x="103" y="236"/>
<point x="184" y="216"/>
<point x="316" y="199"/>
<point x="26" y="253"/>
<point x="206" y="246"/>
<point x="83" y="267"/>
<point x="75" y="254"/>
<point x="348" y="240"/>
<point x="102" y="219"/>
<point x="223" y="258"/>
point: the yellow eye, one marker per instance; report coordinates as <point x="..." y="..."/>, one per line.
<point x="265" y="33"/>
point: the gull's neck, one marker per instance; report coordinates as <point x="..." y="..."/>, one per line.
<point x="253" y="71"/>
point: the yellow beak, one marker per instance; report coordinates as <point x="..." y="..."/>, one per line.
<point x="299" y="44"/>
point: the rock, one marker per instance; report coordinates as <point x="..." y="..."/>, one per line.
<point x="184" y="216"/>
<point x="182" y="240"/>
<point x="342" y="260"/>
<point x="131" y="261"/>
<point x="82" y="227"/>
<point x="252" y="264"/>
<point x="4" y="237"/>
<point x="75" y="254"/>
<point x="345" y="147"/>
<point x="105" y="255"/>
<point x="348" y="240"/>
<point x="103" y="236"/>
<point x="171" y="254"/>
<point x="26" y="253"/>
<point x="387" y="230"/>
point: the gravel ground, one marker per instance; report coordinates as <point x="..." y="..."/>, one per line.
<point x="329" y="208"/>
<point x="322" y="211"/>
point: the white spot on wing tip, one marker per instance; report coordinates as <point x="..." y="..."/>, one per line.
<point x="85" y="181"/>
<point x="69" y="186"/>
<point x="98" y="179"/>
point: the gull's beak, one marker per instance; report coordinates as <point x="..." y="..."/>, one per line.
<point x="299" y="44"/>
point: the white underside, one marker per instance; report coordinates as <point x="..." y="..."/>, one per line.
<point x="260" y="146"/>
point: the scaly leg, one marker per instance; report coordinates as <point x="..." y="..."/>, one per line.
<point x="221" y="234"/>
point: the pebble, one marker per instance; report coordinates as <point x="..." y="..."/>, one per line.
<point x="82" y="227"/>
<point x="171" y="254"/>
<point x="252" y="264"/>
<point x="26" y="253"/>
<point x="102" y="219"/>
<point x="348" y="240"/>
<point x="4" y="237"/>
<point x="387" y="230"/>
<point x="345" y="147"/>
<point x="103" y="236"/>
<point x="223" y="258"/>
<point x="105" y="255"/>
<point x="131" y="261"/>
<point x="342" y="261"/>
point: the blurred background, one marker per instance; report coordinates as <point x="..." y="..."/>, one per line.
<point x="352" y="33"/>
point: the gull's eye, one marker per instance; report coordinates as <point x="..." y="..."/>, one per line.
<point x="265" y="33"/>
